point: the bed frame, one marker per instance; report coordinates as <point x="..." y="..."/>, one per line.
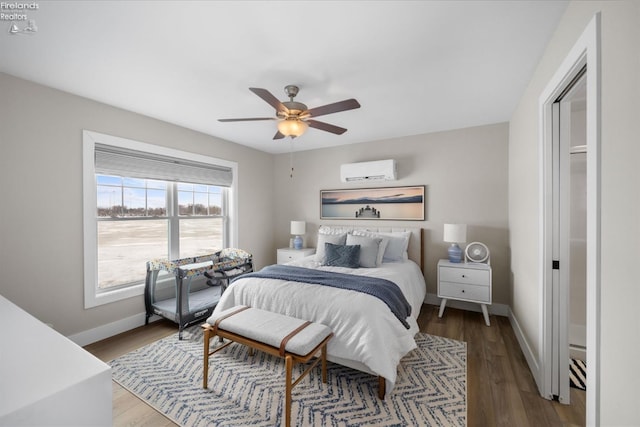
<point x="416" y="254"/>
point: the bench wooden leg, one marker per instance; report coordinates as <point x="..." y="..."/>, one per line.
<point x="288" y="387"/>
<point x="382" y="383"/>
<point x="205" y="373"/>
<point x="324" y="363"/>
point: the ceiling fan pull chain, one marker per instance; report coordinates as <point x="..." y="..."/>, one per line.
<point x="291" y="158"/>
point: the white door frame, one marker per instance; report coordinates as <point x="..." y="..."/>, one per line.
<point x="586" y="51"/>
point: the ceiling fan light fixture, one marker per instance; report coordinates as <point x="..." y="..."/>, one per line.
<point x="294" y="117"/>
<point x="292" y="127"/>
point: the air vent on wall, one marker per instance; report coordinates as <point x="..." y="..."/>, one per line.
<point x="379" y="170"/>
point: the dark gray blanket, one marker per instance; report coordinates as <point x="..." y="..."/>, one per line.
<point x="382" y="289"/>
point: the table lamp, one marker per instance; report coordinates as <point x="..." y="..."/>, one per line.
<point x="454" y="234"/>
<point x="298" y="228"/>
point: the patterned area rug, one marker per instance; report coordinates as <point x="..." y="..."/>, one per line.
<point x="578" y="374"/>
<point x="249" y="390"/>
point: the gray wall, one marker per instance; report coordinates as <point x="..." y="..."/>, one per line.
<point x="41" y="243"/>
<point x="41" y="246"/>
<point x="620" y="199"/>
<point x="464" y="171"/>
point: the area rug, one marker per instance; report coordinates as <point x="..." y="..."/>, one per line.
<point x="431" y="388"/>
<point x="577" y="374"/>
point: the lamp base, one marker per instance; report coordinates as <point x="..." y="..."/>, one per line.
<point x="455" y="253"/>
<point x="297" y="242"/>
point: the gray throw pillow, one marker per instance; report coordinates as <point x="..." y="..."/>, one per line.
<point x="336" y="239"/>
<point x="369" y="249"/>
<point x="342" y="255"/>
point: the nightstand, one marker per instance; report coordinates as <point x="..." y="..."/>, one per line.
<point x="290" y="254"/>
<point x="464" y="281"/>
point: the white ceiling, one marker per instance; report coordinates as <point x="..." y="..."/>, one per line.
<point x="415" y="66"/>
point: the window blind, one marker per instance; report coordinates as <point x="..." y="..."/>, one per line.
<point x="110" y="160"/>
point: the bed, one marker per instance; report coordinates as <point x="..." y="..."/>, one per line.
<point x="368" y="335"/>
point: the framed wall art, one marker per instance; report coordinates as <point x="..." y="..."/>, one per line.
<point x="393" y="203"/>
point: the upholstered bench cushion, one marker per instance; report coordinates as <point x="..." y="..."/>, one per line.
<point x="271" y="328"/>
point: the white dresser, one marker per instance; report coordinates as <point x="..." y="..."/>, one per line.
<point x="464" y="282"/>
<point x="289" y="254"/>
<point x="46" y="379"/>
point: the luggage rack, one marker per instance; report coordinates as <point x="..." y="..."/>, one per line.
<point x="190" y="306"/>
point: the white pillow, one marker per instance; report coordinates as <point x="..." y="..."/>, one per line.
<point x="397" y="245"/>
<point x="371" y="249"/>
<point x="326" y="229"/>
<point x="336" y="239"/>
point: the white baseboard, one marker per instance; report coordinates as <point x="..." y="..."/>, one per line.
<point x="110" y="329"/>
<point x="579" y="353"/>
<point x="495" y="309"/>
<point x="123" y="325"/>
<point x="531" y="358"/>
<point x="577" y="335"/>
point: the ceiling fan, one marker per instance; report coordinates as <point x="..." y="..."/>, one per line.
<point x="294" y="117"/>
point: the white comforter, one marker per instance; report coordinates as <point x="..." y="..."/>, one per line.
<point x="367" y="334"/>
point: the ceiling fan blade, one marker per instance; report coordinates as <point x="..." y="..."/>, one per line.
<point x="247" y="119"/>
<point x="347" y="104"/>
<point x="269" y="99"/>
<point x="278" y="135"/>
<point x="326" y="127"/>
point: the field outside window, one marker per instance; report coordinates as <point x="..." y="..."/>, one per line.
<point x="134" y="221"/>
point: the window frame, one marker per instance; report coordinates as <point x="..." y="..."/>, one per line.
<point x="93" y="297"/>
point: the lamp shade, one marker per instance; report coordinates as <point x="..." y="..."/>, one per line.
<point x="292" y="127"/>
<point x="298" y="227"/>
<point x="455" y="233"/>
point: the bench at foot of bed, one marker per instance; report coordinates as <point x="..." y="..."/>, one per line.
<point x="295" y="340"/>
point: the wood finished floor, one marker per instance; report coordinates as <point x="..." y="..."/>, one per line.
<point x="500" y="388"/>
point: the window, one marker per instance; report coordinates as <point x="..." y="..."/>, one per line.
<point x="132" y="227"/>
<point x="144" y="202"/>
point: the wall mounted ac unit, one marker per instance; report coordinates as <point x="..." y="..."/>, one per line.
<point x="379" y="170"/>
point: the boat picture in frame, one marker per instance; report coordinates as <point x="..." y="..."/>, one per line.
<point x="392" y="203"/>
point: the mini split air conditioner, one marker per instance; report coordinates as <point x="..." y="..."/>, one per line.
<point x="380" y="170"/>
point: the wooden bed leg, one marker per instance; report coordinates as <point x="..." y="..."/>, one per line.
<point x="381" y="387"/>
<point x="288" y="387"/>
<point x="205" y="373"/>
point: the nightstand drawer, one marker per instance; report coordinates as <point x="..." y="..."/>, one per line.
<point x="464" y="275"/>
<point x="464" y="291"/>
<point x="284" y="257"/>
<point x="287" y="254"/>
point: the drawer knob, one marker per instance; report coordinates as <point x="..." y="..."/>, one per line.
<point x="464" y="275"/>
<point x="463" y="291"/>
